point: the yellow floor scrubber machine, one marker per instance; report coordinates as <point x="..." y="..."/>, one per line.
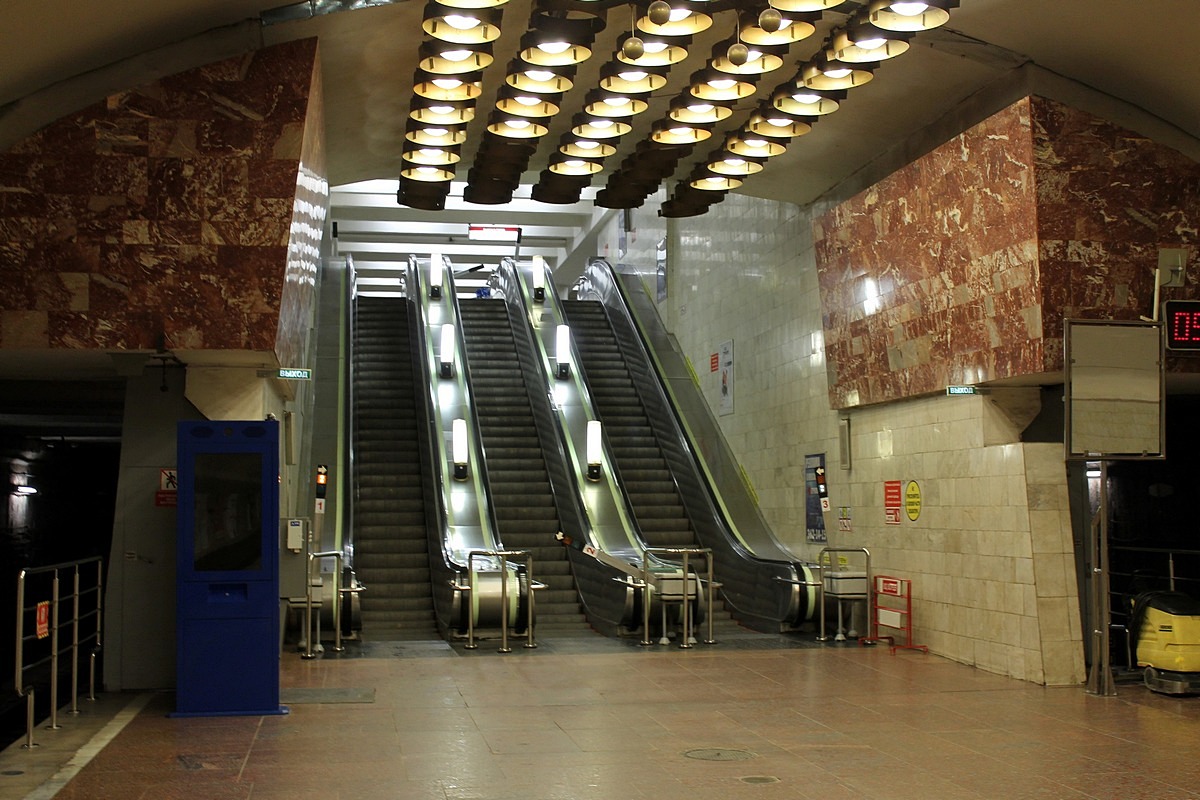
<point x="1167" y="626"/>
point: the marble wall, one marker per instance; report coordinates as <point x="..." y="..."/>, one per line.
<point x="961" y="267"/>
<point x="164" y="215"/>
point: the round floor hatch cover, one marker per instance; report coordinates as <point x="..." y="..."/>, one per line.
<point x="719" y="754"/>
<point x="760" y="779"/>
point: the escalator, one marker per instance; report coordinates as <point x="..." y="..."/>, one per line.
<point x="391" y="556"/>
<point x="649" y="484"/>
<point x="683" y="486"/>
<point x="522" y="497"/>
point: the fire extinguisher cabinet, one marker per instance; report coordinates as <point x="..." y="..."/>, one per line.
<point x="227" y="629"/>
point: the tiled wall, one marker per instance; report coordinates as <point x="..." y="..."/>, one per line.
<point x="164" y="211"/>
<point x="956" y="269"/>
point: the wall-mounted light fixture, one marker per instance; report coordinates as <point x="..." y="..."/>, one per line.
<point x="446" y="352"/>
<point x="562" y="351"/>
<point x="24" y="491"/>
<point x="595" y="449"/>
<point x="539" y="279"/>
<point x="436" y="271"/>
<point x="458" y="447"/>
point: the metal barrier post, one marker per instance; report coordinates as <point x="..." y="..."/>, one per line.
<point x="686" y="639"/>
<point x="471" y="601"/>
<point x="646" y="599"/>
<point x="99" y="627"/>
<point x="54" y="654"/>
<point x="75" y="647"/>
<point x="504" y="648"/>
<point x="529" y="640"/>
<point x="711" y="588"/>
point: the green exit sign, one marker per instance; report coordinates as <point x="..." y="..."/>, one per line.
<point x="961" y="390"/>
<point x="287" y="374"/>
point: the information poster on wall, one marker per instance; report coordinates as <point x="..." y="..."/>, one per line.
<point x="814" y="495"/>
<point x="725" y="359"/>
<point x="893" y="502"/>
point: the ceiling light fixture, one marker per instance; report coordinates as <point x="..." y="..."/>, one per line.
<point x="603" y="103"/>
<point x="559" y="41"/>
<point x="540" y="79"/>
<point x="591" y="126"/>
<point x="436" y="135"/>
<point x="658" y="51"/>
<point x="631" y="79"/>
<point x="789" y="29"/>
<point x="441" y="112"/>
<point x="582" y="147"/>
<point x="680" y="20"/>
<point x="461" y="26"/>
<point x="449" y="58"/>
<point x="693" y="110"/>
<point x="432" y="156"/>
<point x="526" y="104"/>
<point x="452" y="88"/>
<point x="896" y="15"/>
<point x="864" y="43"/>
<point x="777" y="125"/>
<point x="825" y="73"/>
<point x="671" y="132"/>
<point x="805" y="102"/>
<point x="754" y="146"/>
<point x="512" y="126"/>
<point x="714" y="85"/>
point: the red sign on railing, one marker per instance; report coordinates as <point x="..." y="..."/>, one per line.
<point x="43" y="619"/>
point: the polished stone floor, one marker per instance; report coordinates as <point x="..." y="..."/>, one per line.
<point x="587" y="717"/>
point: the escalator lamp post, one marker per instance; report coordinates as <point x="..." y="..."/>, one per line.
<point x="322" y="482"/>
<point x="594" y="449"/>
<point x="562" y="351"/>
<point x="435" y="275"/>
<point x="446" y="353"/>
<point x="458" y="444"/>
<point x="539" y="279"/>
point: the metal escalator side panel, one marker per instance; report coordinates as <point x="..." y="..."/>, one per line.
<point x="589" y="511"/>
<point x="762" y="591"/>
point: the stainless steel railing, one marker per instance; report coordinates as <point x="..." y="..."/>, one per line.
<point x="686" y="593"/>
<point x="50" y="629"/>
<point x="825" y="590"/>
<point x="471" y="589"/>
<point x="309" y="651"/>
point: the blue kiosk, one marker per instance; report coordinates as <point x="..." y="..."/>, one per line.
<point x="227" y="629"/>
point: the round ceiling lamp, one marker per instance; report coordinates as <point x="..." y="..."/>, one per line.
<point x="677" y="133"/>
<point x="448" y="58"/>
<point x="805" y="102"/>
<point x="461" y="26"/>
<point x="427" y="173"/>
<point x="749" y="145"/>
<point x="776" y="125"/>
<point x="792" y="28"/>
<point x="451" y="88"/>
<point x="680" y="19"/>
<point x="436" y="135"/>
<point x="432" y="156"/>
<point x="539" y="79"/>
<point x="898" y="15"/>
<point x="694" y="111"/>
<point x="657" y="51"/>
<point x="513" y="126"/>
<point x="582" y="147"/>
<point x="714" y="85"/>
<point x="590" y="126"/>
<point x="827" y="74"/>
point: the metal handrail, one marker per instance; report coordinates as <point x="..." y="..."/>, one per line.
<point x="27" y="691"/>
<point x="686" y="552"/>
<point x="821" y="573"/>
<point x="337" y="604"/>
<point x="504" y="556"/>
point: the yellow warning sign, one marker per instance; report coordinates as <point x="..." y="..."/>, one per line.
<point x="912" y="501"/>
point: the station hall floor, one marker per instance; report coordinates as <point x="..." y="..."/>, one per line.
<point x="753" y="716"/>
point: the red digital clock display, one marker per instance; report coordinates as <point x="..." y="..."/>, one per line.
<point x="1183" y="324"/>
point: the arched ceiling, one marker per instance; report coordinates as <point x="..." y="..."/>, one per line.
<point x="1140" y="57"/>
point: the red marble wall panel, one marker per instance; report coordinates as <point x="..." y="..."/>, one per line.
<point x="1108" y="200"/>
<point x="961" y="267"/>
<point x="166" y="210"/>
<point x="923" y="276"/>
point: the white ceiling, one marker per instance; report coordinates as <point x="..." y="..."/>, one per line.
<point x="1141" y="58"/>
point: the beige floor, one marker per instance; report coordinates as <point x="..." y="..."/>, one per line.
<point x="753" y="717"/>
